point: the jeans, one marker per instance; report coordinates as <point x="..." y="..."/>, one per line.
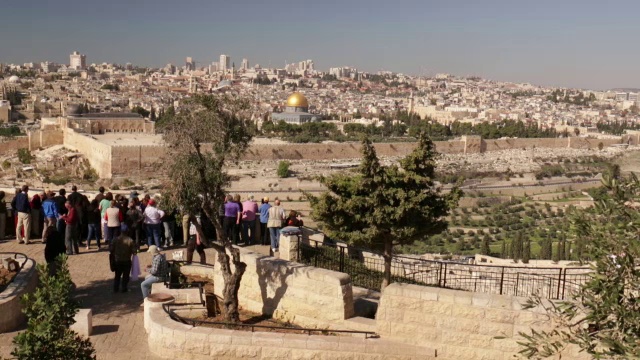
<point x="112" y="233"/>
<point x="93" y="233"/>
<point x="146" y="285"/>
<point x="193" y="246"/>
<point x="275" y="237"/>
<point x="229" y="227"/>
<point x="123" y="269"/>
<point x="23" y="219"/>
<point x="153" y="234"/>
<point x="71" y="239"/>
<point x="169" y="228"/>
<point x="264" y="231"/>
<point x="248" y="238"/>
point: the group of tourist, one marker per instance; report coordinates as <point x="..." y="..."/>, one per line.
<point x="124" y="223"/>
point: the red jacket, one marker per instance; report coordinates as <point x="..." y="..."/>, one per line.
<point x="71" y="218"/>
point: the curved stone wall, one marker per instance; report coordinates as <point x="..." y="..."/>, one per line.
<point x="11" y="316"/>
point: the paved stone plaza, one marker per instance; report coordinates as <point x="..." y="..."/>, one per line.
<point x="118" y="330"/>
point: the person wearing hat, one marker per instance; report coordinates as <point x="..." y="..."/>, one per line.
<point x="158" y="271"/>
<point x="264" y="219"/>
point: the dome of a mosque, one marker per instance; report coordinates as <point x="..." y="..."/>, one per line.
<point x="297" y="100"/>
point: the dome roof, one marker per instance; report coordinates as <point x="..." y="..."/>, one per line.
<point x="14" y="79"/>
<point x="297" y="100"/>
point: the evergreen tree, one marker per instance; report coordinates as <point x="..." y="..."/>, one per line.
<point x="486" y="249"/>
<point x="561" y="248"/>
<point x="503" y="249"/>
<point x="384" y="206"/>
<point x="526" y="251"/>
<point x="546" y="248"/>
<point x="152" y="115"/>
<point x="50" y="312"/>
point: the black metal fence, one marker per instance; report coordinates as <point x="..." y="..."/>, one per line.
<point x="366" y="269"/>
<point x="19" y="257"/>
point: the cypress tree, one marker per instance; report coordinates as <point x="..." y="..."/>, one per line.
<point x="486" y="249"/>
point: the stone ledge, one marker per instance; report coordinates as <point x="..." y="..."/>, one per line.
<point x="11" y="316"/>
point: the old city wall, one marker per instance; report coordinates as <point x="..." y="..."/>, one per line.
<point x="45" y="138"/>
<point x="468" y="145"/>
<point x="136" y="160"/>
<point x="459" y="324"/>
<point x="12" y="145"/>
<point x="98" y="154"/>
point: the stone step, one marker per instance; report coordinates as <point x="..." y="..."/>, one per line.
<point x="360" y="323"/>
<point x="365" y="302"/>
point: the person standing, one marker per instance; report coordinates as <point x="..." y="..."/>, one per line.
<point x="113" y="217"/>
<point x="123" y="248"/>
<point x="264" y="219"/>
<point x="249" y="210"/>
<point x="153" y="223"/>
<point x="3" y="216"/>
<point x="237" y="228"/>
<point x="93" y="223"/>
<point x="169" y="225"/>
<point x="194" y="243"/>
<point x="36" y="205"/>
<point x="50" y="213"/>
<point x="133" y="218"/>
<point x="158" y="270"/>
<point x="276" y="217"/>
<point x="23" y="209"/>
<point x="186" y="220"/>
<point x="98" y="199"/>
<point x="71" y="236"/>
<point x="103" y="205"/>
<point x="232" y="215"/>
<point x="54" y="247"/>
<point x="60" y="201"/>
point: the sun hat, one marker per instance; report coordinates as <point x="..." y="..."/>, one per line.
<point x="153" y="250"/>
<point x="266" y="199"/>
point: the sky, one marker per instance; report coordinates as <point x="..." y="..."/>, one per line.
<point x="582" y="44"/>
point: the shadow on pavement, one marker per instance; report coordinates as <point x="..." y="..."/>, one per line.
<point x="99" y="297"/>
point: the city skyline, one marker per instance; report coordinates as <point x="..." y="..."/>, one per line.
<point x="587" y="46"/>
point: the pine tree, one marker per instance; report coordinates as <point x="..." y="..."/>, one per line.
<point x="486" y="249"/>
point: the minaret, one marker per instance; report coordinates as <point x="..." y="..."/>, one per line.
<point x="411" y="103"/>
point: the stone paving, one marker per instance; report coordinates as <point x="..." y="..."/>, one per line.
<point x="118" y="329"/>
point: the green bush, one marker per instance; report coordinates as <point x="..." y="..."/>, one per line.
<point x="283" y="169"/>
<point x="24" y="155"/>
<point x="50" y="312"/>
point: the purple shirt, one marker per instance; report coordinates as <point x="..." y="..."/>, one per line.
<point x="249" y="209"/>
<point x="231" y="209"/>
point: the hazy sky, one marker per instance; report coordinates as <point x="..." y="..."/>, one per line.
<point x="587" y="44"/>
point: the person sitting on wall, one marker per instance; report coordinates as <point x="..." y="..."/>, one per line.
<point x="293" y="219"/>
<point x="158" y="271"/>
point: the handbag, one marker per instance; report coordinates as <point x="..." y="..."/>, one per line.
<point x="135" y="268"/>
<point x="112" y="262"/>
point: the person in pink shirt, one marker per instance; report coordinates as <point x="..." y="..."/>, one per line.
<point x="249" y="210"/>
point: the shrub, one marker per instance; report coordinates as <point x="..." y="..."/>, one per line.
<point x="24" y="155"/>
<point x="50" y="312"/>
<point x="283" y="169"/>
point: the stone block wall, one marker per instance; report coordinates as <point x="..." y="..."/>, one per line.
<point x="45" y="138"/>
<point x="303" y="295"/>
<point x="136" y="160"/>
<point x="11" y="316"/>
<point x="99" y="154"/>
<point x="11" y="145"/>
<point x="459" y="324"/>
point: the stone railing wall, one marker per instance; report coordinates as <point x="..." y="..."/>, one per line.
<point x="459" y="324"/>
<point x="11" y="316"/>
<point x="303" y="295"/>
<point x="173" y="340"/>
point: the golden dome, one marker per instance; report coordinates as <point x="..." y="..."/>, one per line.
<point x="297" y="100"/>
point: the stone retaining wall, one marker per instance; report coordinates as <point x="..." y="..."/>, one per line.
<point x="172" y="340"/>
<point x="459" y="324"/>
<point x="303" y="295"/>
<point x="11" y="316"/>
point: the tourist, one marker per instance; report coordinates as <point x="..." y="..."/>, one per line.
<point x="264" y="219"/>
<point x="293" y="219"/>
<point x="276" y="216"/>
<point x="123" y="248"/>
<point x="153" y="223"/>
<point x="133" y="218"/>
<point x="158" y="270"/>
<point x="237" y="228"/>
<point x="54" y="247"/>
<point x="3" y="215"/>
<point x="186" y="220"/>
<point x="221" y="211"/>
<point x="232" y="215"/>
<point x="113" y="216"/>
<point x="36" y="206"/>
<point x="249" y="210"/>
<point x="103" y="205"/>
<point x="23" y="210"/>
<point x="93" y="223"/>
<point x="60" y="201"/>
<point x="98" y="199"/>
<point x="71" y="234"/>
<point x="75" y="198"/>
<point x="194" y="243"/>
<point x="49" y="212"/>
<point x="169" y="225"/>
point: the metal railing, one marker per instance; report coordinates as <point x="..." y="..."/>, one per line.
<point x="15" y="255"/>
<point x="366" y="269"/>
<point x="168" y="308"/>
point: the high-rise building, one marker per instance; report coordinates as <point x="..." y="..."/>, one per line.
<point x="225" y="63"/>
<point x="244" y="65"/>
<point x="190" y="64"/>
<point x="77" y="61"/>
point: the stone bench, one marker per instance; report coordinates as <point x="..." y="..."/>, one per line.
<point x="84" y="322"/>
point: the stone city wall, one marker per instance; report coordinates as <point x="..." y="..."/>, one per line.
<point x="136" y="160"/>
<point x="45" y="138"/>
<point x="459" y="324"/>
<point x="11" y="316"/>
<point x="98" y="154"/>
<point x="173" y="340"/>
<point x="8" y="145"/>
<point x="303" y="295"/>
